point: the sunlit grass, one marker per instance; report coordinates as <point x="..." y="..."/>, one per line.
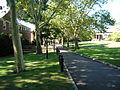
<point x="106" y="44"/>
<point x="110" y="55"/>
<point x="106" y="51"/>
<point x="100" y="44"/>
<point x="40" y="74"/>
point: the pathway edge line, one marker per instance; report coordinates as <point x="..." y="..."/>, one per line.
<point x="69" y="75"/>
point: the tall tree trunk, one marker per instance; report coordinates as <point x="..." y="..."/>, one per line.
<point x="16" y="39"/>
<point x="46" y="43"/>
<point x="63" y="41"/>
<point x="67" y="42"/>
<point x="76" y="44"/>
<point x="41" y="37"/>
<point x="38" y="40"/>
<point x="54" y="44"/>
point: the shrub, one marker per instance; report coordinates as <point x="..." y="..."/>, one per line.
<point x="25" y="42"/>
<point x="6" y="47"/>
<point x="114" y="37"/>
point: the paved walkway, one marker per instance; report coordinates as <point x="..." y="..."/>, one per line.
<point x="91" y="75"/>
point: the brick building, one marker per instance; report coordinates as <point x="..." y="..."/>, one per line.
<point x="111" y="29"/>
<point x="5" y="28"/>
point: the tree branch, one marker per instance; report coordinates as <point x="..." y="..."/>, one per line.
<point x="51" y="15"/>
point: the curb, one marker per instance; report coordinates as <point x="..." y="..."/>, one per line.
<point x="69" y="75"/>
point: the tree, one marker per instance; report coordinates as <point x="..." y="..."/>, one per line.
<point x="16" y="38"/>
<point x="71" y="24"/>
<point x="33" y="11"/>
<point x="79" y="19"/>
<point x="78" y="24"/>
<point x="102" y="19"/>
<point x="114" y="37"/>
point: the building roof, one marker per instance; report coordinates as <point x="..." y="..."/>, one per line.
<point x="27" y="24"/>
<point x="5" y="15"/>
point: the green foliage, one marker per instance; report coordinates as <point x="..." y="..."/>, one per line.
<point x="25" y="42"/>
<point x="114" y="37"/>
<point x="6" y="45"/>
<point x="69" y="16"/>
<point x="40" y="74"/>
<point x="75" y="21"/>
<point x="102" y="19"/>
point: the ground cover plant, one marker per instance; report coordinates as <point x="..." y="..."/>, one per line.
<point x="40" y="74"/>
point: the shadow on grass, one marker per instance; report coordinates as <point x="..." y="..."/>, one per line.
<point x="40" y="74"/>
<point x="89" y="45"/>
<point x="92" y="45"/>
<point x="110" y="55"/>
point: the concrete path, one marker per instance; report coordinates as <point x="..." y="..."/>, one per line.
<point x="91" y="75"/>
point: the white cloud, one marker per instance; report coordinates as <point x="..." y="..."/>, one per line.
<point x="5" y="10"/>
<point x="3" y="2"/>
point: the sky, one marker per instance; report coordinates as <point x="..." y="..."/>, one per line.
<point x="3" y="3"/>
<point x="113" y="6"/>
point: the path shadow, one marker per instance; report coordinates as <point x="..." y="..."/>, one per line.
<point x="91" y="75"/>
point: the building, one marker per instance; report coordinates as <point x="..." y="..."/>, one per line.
<point x="26" y="32"/>
<point x="5" y="28"/>
<point x="111" y="29"/>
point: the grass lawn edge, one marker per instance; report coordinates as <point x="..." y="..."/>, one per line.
<point x="70" y="77"/>
<point x="103" y="62"/>
<point x="97" y="60"/>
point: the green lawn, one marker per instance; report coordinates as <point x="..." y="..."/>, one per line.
<point x="100" y="44"/>
<point x="110" y="52"/>
<point x="110" y="55"/>
<point x="93" y="44"/>
<point x="40" y="74"/>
